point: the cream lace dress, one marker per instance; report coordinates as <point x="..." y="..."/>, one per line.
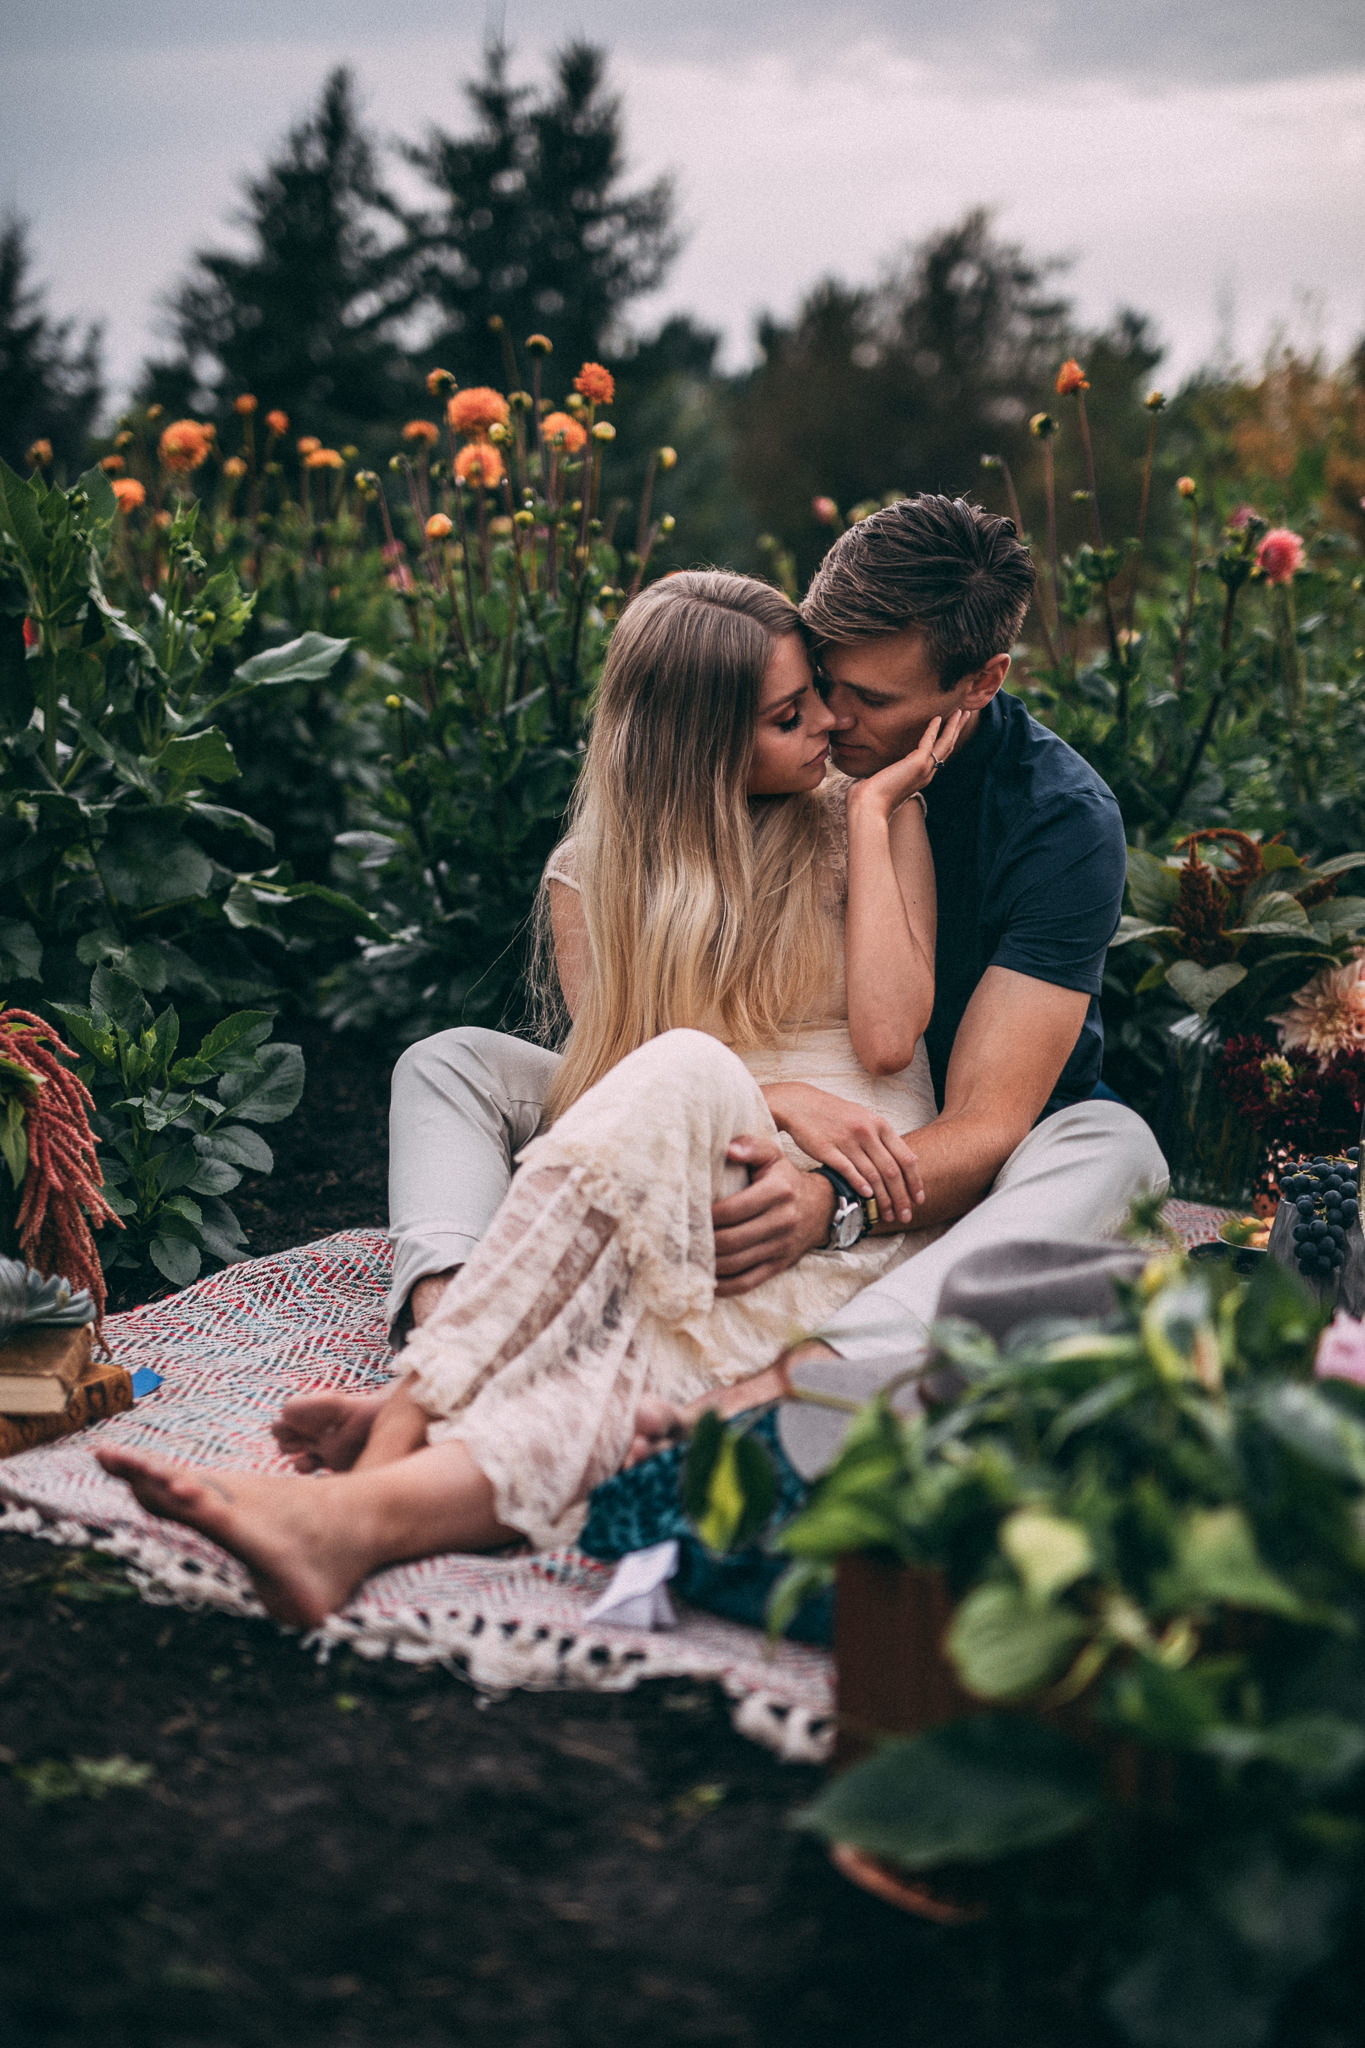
<point x="596" y="1282"/>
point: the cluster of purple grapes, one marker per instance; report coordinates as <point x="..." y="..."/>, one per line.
<point x="1326" y="1194"/>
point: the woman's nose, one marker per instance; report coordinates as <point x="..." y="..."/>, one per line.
<point x="822" y="718"/>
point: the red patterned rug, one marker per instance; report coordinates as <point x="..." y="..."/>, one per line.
<point x="229" y="1350"/>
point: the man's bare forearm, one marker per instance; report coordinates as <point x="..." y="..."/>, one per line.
<point x="959" y="1155"/>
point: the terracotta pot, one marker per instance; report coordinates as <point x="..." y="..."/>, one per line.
<point x="894" y="1677"/>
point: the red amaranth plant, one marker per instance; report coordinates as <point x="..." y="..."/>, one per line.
<point x="61" y="1198"/>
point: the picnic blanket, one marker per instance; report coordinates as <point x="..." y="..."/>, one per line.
<point x="229" y="1350"/>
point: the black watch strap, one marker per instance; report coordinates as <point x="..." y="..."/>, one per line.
<point x="845" y="1191"/>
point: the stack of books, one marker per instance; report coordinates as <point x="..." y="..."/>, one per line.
<point x="51" y="1383"/>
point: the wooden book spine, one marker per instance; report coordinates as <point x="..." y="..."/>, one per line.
<point x="104" y="1390"/>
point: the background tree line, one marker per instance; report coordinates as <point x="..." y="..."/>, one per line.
<point x="346" y="293"/>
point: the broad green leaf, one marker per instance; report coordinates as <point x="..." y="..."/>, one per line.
<point x="1202" y="987"/>
<point x="224" y="1238"/>
<point x="1153" y="887"/>
<point x="118" y="999"/>
<point x="270" y="1092"/>
<point x="1324" y="1748"/>
<point x="1006" y="1645"/>
<point x="200" y="756"/>
<point x="1217" y="1562"/>
<point x="232" y="1043"/>
<point x="22" y="948"/>
<point x="224" y="819"/>
<point x="212" y="1176"/>
<point x="1314" y="1427"/>
<point x="1341" y="864"/>
<point x="1131" y="928"/>
<point x="20" y="520"/>
<point x="731" y="1491"/>
<point x="1191" y="1984"/>
<point x="1048" y="1552"/>
<point x="241" y="1146"/>
<point x="305" y="660"/>
<point x="146" y="860"/>
<point x="985" y="1787"/>
<point x="177" y="1258"/>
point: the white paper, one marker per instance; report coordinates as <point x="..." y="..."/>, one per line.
<point x="638" y="1594"/>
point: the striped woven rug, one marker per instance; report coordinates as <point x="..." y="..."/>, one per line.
<point x="229" y="1350"/>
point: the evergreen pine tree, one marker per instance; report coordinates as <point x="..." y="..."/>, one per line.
<point x="529" y="225"/>
<point x="306" y="318"/>
<point x="50" y="386"/>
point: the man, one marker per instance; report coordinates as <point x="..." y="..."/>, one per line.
<point x="913" y="612"/>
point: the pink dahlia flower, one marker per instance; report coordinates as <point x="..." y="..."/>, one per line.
<point x="1327" y="1014"/>
<point x="1341" y="1351"/>
<point x="1280" y="554"/>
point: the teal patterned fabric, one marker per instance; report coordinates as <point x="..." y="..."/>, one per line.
<point x="644" y="1506"/>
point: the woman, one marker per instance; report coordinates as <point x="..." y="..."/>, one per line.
<point x="743" y="948"/>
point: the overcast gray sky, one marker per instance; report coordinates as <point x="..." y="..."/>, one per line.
<point x="1204" y="162"/>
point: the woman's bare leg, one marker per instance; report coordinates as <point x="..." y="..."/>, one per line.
<point x="309" y="1543"/>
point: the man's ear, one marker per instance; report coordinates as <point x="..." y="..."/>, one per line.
<point x="983" y="685"/>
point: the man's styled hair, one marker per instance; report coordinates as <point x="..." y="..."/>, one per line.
<point x="961" y="575"/>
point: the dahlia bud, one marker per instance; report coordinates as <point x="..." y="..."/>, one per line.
<point x="278" y="422"/>
<point x="604" y="431"/>
<point x="154" y="412"/>
<point x="524" y="518"/>
<point x="541" y="343"/>
<point x="439" y="527"/>
<point x="1071" y="377"/>
<point x="1187" y="486"/>
<point x="234" y="468"/>
<point x="367" y="483"/>
<point x="522" y="400"/>
<point x="439" y="382"/>
<point x="112" y="465"/>
<point x="667" y="523"/>
<point x="1154" y="401"/>
<point x="825" y="510"/>
<point x="39" y="455"/>
<point x="496" y="323"/>
<point x="123" y="439"/>
<point x="245" y="405"/>
<point x="668" y="458"/>
<point x="392" y="703"/>
<point x="1042" y="426"/>
<point x="499" y="434"/>
<point x="350" y="452"/>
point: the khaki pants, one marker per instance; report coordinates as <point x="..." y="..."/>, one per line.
<point x="465" y="1102"/>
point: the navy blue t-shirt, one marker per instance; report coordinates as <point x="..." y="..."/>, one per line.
<point x="1029" y="855"/>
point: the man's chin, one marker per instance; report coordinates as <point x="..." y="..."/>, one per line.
<point x="857" y="762"/>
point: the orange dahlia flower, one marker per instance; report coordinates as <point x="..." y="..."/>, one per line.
<point x="562" y="430"/>
<point x="245" y="405"/>
<point x="476" y="410"/>
<point x="596" y="384"/>
<point x="425" y="431"/>
<point x="234" y="468"/>
<point x="324" y="458"/>
<point x="479" y="462"/>
<point x="278" y="422"/>
<point x="129" y="492"/>
<point x="1071" y="377"/>
<point x="439" y="527"/>
<point x="112" y="465"/>
<point x="183" y="446"/>
<point x="307" y="444"/>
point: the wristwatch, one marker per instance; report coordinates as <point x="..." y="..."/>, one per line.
<point x="853" y="1215"/>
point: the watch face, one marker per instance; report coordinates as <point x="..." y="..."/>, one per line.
<point x="846" y="1226"/>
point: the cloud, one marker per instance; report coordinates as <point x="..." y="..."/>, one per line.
<point x="791" y="162"/>
<point x="1194" y="40"/>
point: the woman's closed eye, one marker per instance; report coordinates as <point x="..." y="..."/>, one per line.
<point x="790" y="724"/>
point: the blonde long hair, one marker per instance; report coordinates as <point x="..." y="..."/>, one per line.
<point x="702" y="905"/>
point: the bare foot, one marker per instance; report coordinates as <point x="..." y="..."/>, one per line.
<point x="300" y="1547"/>
<point x="328" y="1429"/>
<point x="657" y="1425"/>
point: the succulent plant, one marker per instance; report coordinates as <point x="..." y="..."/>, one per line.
<point x="27" y="1301"/>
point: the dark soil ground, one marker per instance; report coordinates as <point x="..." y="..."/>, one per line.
<point x="343" y="1855"/>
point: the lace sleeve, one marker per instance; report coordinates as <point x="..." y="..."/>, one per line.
<point x="562" y="866"/>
